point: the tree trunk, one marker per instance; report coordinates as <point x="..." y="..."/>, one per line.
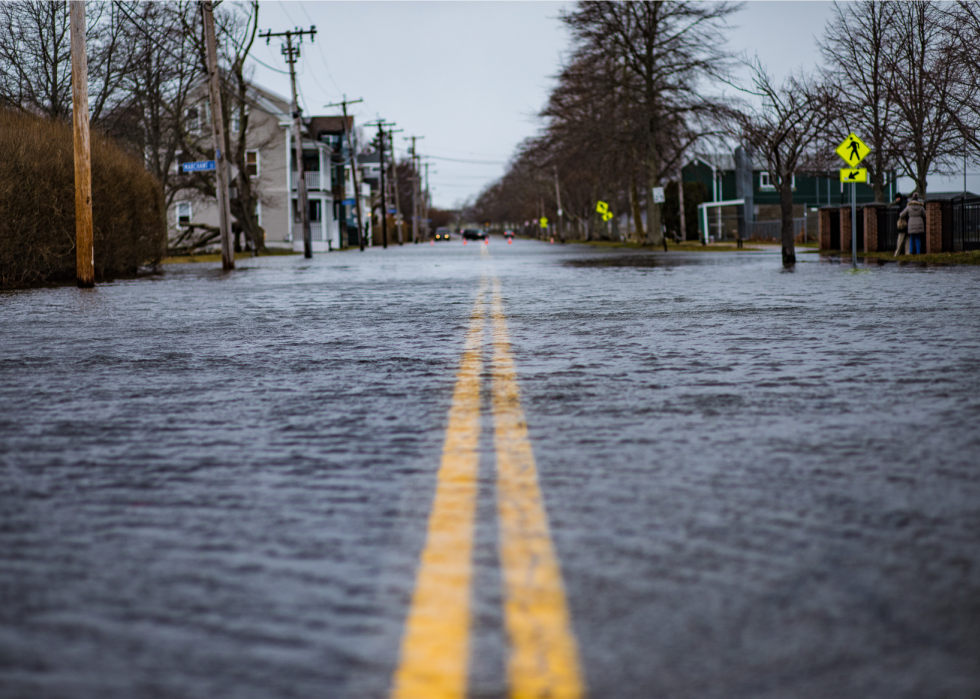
<point x="786" y="209"/>
<point x="639" y="234"/>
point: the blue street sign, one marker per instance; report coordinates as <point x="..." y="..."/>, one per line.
<point x="199" y="166"/>
<point x="392" y="211"/>
<point x="349" y="202"/>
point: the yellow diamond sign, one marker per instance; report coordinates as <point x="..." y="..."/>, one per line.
<point x="852" y="150"/>
<point x="544" y="222"/>
<point x="601" y="207"/>
<point x="854" y="174"/>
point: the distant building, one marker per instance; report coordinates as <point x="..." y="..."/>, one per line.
<point x="271" y="162"/>
<point x="811" y="190"/>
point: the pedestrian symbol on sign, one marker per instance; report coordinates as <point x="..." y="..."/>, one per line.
<point x="853" y="150"/>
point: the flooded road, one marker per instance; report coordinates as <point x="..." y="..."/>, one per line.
<point x="754" y="483"/>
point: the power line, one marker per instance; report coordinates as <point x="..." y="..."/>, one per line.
<point x="476" y="162"/>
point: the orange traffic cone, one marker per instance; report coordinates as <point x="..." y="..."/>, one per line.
<point x="552" y="241"/>
<point x="487" y="241"/>
<point x="510" y="241"/>
<point x="464" y="241"/>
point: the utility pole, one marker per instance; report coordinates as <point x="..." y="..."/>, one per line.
<point x="561" y="229"/>
<point x="292" y="54"/>
<point x="84" y="246"/>
<point x="218" y="137"/>
<point x="353" y="169"/>
<point x="394" y="177"/>
<point x="427" y="201"/>
<point x="381" y="185"/>
<point x="415" y="190"/>
<point x="680" y="200"/>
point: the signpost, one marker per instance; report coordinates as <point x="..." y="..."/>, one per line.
<point x="852" y="151"/>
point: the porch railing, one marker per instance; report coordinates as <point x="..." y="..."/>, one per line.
<point x="312" y="180"/>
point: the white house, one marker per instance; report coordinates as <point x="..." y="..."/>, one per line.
<point x="270" y="160"/>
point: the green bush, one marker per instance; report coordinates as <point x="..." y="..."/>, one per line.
<point x="37" y="205"/>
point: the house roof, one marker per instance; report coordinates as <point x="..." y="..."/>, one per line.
<point x="328" y="125"/>
<point x="724" y="161"/>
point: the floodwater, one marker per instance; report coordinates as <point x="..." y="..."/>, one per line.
<point x="760" y="483"/>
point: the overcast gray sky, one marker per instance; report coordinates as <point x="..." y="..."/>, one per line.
<point x="470" y="76"/>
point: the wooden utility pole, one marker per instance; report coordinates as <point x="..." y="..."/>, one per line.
<point x="84" y="245"/>
<point x="394" y="182"/>
<point x="292" y="53"/>
<point x="415" y="190"/>
<point x="381" y="184"/>
<point x="426" y="201"/>
<point x="680" y="200"/>
<point x="353" y="169"/>
<point x="218" y="136"/>
<point x="561" y="229"/>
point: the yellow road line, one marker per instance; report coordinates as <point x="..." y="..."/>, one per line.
<point x="435" y="646"/>
<point x="543" y="661"/>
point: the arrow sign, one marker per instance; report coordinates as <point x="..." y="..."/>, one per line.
<point x="852" y="151"/>
<point x="852" y="174"/>
<point x="199" y="166"/>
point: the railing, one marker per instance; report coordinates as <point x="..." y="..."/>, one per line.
<point x="316" y="231"/>
<point x="964" y="217"/>
<point x="312" y="180"/>
<point x="887" y="228"/>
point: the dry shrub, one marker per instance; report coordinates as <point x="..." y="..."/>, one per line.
<point x="37" y="205"/>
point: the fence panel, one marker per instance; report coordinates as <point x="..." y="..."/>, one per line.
<point x="965" y="215"/>
<point x="771" y="230"/>
<point x="888" y="228"/>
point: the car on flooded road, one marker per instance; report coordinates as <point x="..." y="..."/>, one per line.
<point x="442" y="234"/>
<point x="474" y="234"/>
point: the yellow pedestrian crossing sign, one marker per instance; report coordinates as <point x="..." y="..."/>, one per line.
<point x="544" y="222"/>
<point x="601" y="207"/>
<point x="854" y="174"/>
<point x="853" y="151"/>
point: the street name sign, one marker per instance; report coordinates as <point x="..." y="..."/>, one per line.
<point x="349" y="202"/>
<point x="852" y="150"/>
<point x="854" y="174"/>
<point x="199" y="166"/>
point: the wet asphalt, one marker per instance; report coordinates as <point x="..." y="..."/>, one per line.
<point x="760" y="483"/>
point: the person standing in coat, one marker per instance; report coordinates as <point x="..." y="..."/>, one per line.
<point x="915" y="213"/>
<point x="903" y="232"/>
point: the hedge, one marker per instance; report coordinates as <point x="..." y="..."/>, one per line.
<point x="37" y="205"/>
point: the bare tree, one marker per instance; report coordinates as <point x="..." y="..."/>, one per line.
<point x="782" y="128"/>
<point x="35" y="58"/>
<point x="667" y="49"/>
<point x="962" y="21"/>
<point x="858" y="47"/>
<point x="922" y="76"/>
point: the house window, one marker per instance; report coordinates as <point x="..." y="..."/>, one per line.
<point x="192" y="120"/>
<point x="183" y="214"/>
<point x="765" y="182"/>
<point x="252" y="162"/>
<point x="235" y="120"/>
<point x="315" y="209"/>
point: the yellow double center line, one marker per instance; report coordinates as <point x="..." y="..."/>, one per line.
<point x="543" y="658"/>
